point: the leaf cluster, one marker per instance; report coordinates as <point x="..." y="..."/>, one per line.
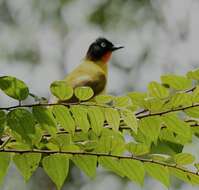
<point x="133" y="135"/>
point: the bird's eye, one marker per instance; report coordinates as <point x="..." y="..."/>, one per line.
<point x="103" y="44"/>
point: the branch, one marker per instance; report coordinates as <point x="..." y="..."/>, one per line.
<point x="138" y="116"/>
<point x="144" y="160"/>
<point x="55" y="104"/>
<point x="36" y="105"/>
<point x="184" y="91"/>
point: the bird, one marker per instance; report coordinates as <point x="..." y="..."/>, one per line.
<point x="93" y="70"/>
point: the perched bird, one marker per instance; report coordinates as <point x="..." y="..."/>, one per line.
<point x="93" y="70"/>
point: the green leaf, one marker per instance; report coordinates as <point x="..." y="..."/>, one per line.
<point x="134" y="170"/>
<point x="63" y="117"/>
<point x="113" y="118"/>
<point x="84" y="93"/>
<point x="185" y="176"/>
<point x="150" y="127"/>
<point x="157" y="90"/>
<point x="194" y="179"/>
<point x="61" y="140"/>
<point x="138" y="98"/>
<point x="27" y="163"/>
<point x="184" y="158"/>
<point x="197" y="166"/>
<point x="122" y="101"/>
<point x="22" y="122"/>
<point x="153" y="104"/>
<point x="138" y="149"/>
<point x="56" y="166"/>
<point x="158" y="172"/>
<point x="174" y="124"/>
<point x="4" y="164"/>
<point x="112" y="164"/>
<point x="2" y="121"/>
<point x="130" y="120"/>
<point x="179" y="174"/>
<point x="193" y="74"/>
<point x="111" y="142"/>
<point x="192" y="112"/>
<point x="80" y="115"/>
<point x="104" y="99"/>
<point x="169" y="135"/>
<point x="45" y="118"/>
<point x="61" y="90"/>
<point x="96" y="117"/>
<point x="166" y="148"/>
<point x="195" y="95"/>
<point x="14" y="87"/>
<point x="160" y="158"/>
<point x="177" y="82"/>
<point x="86" y="163"/>
<point x="18" y="145"/>
<point x="180" y="99"/>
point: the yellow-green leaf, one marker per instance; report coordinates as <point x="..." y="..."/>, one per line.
<point x="174" y="124"/>
<point x="184" y="158"/>
<point x="193" y="74"/>
<point x="56" y="166"/>
<point x="22" y="121"/>
<point x="84" y="93"/>
<point x="45" y="118"/>
<point x="4" y="164"/>
<point x="157" y="90"/>
<point x="86" y="163"/>
<point x="134" y="170"/>
<point x="192" y="112"/>
<point x="138" y="149"/>
<point x="2" y="121"/>
<point x="63" y="117"/>
<point x="27" y="163"/>
<point x="96" y="117"/>
<point x="104" y="99"/>
<point x="61" y="90"/>
<point x="150" y="127"/>
<point x="111" y="164"/>
<point x="138" y="98"/>
<point x="113" y="118"/>
<point x="14" y="87"/>
<point x="80" y="114"/>
<point x="130" y="120"/>
<point x="179" y="174"/>
<point x="180" y="99"/>
<point x="122" y="101"/>
<point x="176" y="81"/>
<point x="158" y="172"/>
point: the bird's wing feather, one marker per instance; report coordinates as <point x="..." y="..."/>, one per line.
<point x="97" y="82"/>
<point x="87" y="74"/>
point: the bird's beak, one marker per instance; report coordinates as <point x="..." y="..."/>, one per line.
<point x="116" y="48"/>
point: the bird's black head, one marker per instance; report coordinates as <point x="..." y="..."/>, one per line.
<point x="100" y="48"/>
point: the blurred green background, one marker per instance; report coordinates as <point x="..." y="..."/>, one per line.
<point x="42" y="40"/>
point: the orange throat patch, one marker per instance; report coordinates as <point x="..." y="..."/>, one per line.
<point x="106" y="57"/>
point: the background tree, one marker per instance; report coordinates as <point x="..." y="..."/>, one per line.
<point x="38" y="38"/>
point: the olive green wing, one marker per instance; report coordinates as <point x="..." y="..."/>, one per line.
<point x="97" y="81"/>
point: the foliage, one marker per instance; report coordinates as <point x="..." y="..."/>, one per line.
<point x="92" y="131"/>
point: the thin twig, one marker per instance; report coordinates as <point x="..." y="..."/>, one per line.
<point x="144" y="160"/>
<point x="139" y="115"/>
<point x="165" y="112"/>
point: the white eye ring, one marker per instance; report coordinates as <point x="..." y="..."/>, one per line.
<point x="103" y="44"/>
